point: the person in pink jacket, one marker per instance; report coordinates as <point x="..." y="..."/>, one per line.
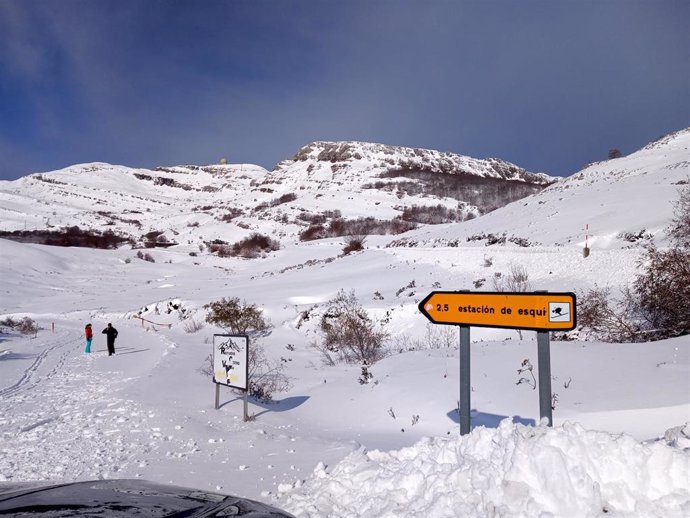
<point x="88" y="333"/>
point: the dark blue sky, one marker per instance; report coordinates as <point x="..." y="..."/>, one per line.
<point x="549" y="85"/>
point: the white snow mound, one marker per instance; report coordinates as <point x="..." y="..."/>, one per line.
<point x="511" y="471"/>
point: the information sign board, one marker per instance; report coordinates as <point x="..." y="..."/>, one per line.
<point x="231" y="360"/>
<point x="536" y="311"/>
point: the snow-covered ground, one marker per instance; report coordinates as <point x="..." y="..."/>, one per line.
<point x="320" y="450"/>
<point x="330" y="446"/>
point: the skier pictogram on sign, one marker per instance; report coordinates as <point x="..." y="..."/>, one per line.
<point x="559" y="312"/>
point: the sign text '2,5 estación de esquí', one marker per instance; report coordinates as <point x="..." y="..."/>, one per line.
<point x="537" y="311"/>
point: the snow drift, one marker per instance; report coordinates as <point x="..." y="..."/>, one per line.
<point x="513" y="470"/>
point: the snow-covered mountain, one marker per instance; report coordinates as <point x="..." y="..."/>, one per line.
<point x="615" y="203"/>
<point x="193" y="203"/>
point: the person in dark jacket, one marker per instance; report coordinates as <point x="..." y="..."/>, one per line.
<point x="111" y="335"/>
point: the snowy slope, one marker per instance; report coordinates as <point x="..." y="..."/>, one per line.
<point x="631" y="194"/>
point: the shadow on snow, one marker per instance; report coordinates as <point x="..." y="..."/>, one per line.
<point x="478" y="418"/>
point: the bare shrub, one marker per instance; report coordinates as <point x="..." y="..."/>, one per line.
<point x="662" y="292"/>
<point x="193" y="325"/>
<point x="354" y="244"/>
<point x="349" y="333"/>
<point x="604" y="318"/>
<point x="440" y="337"/>
<point x="266" y="377"/>
<point x="516" y="281"/>
<point x="680" y="225"/>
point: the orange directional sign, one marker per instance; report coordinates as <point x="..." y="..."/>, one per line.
<point x="537" y="311"/>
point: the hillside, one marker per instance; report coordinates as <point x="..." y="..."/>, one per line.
<point x="189" y="205"/>
<point x="618" y="203"/>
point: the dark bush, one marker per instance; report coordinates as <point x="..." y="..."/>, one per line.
<point x="249" y="247"/>
<point x="362" y="226"/>
<point x="431" y="215"/>
<point x="285" y="198"/>
<point x="145" y="257"/>
<point x="236" y="317"/>
<point x="354" y="244"/>
<point x="68" y="236"/>
<point x="486" y="193"/>
<point x="662" y="291"/>
<point x="232" y="213"/>
<point x="315" y="231"/>
<point x="254" y="245"/>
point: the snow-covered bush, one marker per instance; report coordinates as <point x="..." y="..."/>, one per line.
<point x="193" y="325"/>
<point x="145" y="256"/>
<point x="26" y="325"/>
<point x="236" y="317"/>
<point x="349" y="333"/>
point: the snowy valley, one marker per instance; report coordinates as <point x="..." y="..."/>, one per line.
<point x="333" y="443"/>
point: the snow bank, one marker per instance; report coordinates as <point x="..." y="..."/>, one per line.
<point x="513" y="470"/>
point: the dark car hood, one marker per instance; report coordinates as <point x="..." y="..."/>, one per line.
<point x="120" y="498"/>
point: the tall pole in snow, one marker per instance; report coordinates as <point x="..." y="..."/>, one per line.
<point x="465" y="385"/>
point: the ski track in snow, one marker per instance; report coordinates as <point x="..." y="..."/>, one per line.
<point x="49" y="431"/>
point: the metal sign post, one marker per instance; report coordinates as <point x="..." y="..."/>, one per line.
<point x="539" y="311"/>
<point x="465" y="384"/>
<point x="544" y="360"/>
